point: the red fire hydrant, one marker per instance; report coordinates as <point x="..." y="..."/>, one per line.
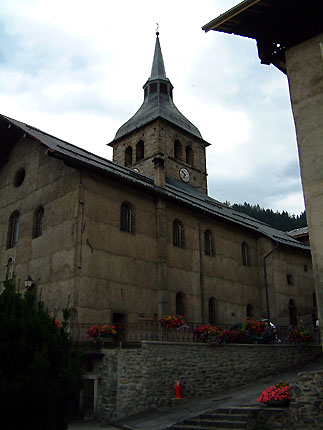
<point x="178" y="390"/>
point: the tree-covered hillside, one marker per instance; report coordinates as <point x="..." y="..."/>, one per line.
<point x="280" y="220"/>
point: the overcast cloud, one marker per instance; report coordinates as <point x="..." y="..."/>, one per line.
<point x="75" y="69"/>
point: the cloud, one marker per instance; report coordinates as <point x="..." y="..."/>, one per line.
<point x="76" y="69"/>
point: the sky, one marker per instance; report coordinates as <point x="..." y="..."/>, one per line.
<point x="75" y="69"/>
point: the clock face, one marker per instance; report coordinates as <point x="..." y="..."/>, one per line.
<point x="184" y="174"/>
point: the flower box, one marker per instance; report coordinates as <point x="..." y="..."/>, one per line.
<point x="276" y="395"/>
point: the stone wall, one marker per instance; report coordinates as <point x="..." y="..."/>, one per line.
<point x="305" y="77"/>
<point x="306" y="406"/>
<point x="134" y="380"/>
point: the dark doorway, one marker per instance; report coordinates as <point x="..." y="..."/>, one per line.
<point x="249" y="310"/>
<point x="119" y="320"/>
<point x="292" y="313"/>
<point x="88" y="398"/>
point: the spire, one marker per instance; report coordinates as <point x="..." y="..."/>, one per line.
<point x="158" y="101"/>
<point x="158" y="68"/>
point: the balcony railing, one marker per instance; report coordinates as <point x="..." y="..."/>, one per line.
<point x="131" y="333"/>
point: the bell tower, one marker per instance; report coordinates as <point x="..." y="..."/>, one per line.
<point x="159" y="129"/>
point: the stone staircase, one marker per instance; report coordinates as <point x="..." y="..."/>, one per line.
<point x="239" y="417"/>
<point x="221" y="419"/>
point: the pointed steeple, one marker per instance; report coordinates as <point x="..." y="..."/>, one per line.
<point x="158" y="101"/>
<point x="158" y="68"/>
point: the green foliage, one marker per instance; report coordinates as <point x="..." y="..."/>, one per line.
<point x="280" y="220"/>
<point x="39" y="367"/>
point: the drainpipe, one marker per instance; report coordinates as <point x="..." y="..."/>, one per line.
<point x="201" y="273"/>
<point x="266" y="281"/>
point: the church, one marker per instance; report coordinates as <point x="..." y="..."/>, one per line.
<point x="139" y="237"/>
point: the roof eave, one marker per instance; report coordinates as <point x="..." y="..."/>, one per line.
<point x="114" y="141"/>
<point x="228" y="14"/>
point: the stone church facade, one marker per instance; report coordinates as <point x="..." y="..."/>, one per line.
<point x="138" y="237"/>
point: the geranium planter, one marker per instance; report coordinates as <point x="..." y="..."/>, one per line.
<point x="276" y="395"/>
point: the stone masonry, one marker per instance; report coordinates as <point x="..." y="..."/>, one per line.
<point x="134" y="380"/>
<point x="307" y="401"/>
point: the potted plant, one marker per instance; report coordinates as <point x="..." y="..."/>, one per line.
<point x="299" y="334"/>
<point x="105" y="331"/>
<point x="253" y="325"/>
<point x="213" y="335"/>
<point x="172" y="321"/>
<point x="276" y="395"/>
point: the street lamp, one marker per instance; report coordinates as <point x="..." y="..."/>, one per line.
<point x="29" y="283"/>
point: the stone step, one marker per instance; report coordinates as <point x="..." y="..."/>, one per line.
<point x="235" y="410"/>
<point x="217" y="423"/>
<point x="224" y="417"/>
<point x="221" y="419"/>
<point x="183" y="426"/>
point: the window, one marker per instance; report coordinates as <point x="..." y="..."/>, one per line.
<point x="189" y="156"/>
<point x="140" y="150"/>
<point x="38" y="222"/>
<point x="180" y="304"/>
<point x="209" y="243"/>
<point x="245" y="254"/>
<point x="128" y="156"/>
<point x="19" y="178"/>
<point x="290" y="279"/>
<point x="126" y="218"/>
<point x="212" y="314"/>
<point x="178" y="234"/>
<point x="163" y="88"/>
<point x="153" y="88"/>
<point x="177" y="150"/>
<point x="13" y="231"/>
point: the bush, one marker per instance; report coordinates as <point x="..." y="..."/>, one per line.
<point x="39" y="367"/>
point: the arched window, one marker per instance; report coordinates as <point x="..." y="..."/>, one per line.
<point x="178" y="234"/>
<point x="126" y="218"/>
<point x="38" y="222"/>
<point x="180" y="304"/>
<point x="140" y="150"/>
<point x="209" y="243"/>
<point x="250" y="312"/>
<point x="13" y="230"/>
<point x="128" y="156"/>
<point x="177" y="150"/>
<point x="189" y="155"/>
<point x="292" y="312"/>
<point x="245" y="254"/>
<point x="212" y="312"/>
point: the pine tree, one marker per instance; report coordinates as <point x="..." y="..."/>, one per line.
<point x="280" y="220"/>
<point x="39" y="367"/>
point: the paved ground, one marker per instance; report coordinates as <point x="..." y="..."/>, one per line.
<point x="161" y="418"/>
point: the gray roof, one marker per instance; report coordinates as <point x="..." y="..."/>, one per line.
<point x="158" y="68"/>
<point x="157" y="104"/>
<point x="298" y="231"/>
<point x="174" y="190"/>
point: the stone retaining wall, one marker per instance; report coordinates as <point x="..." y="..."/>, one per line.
<point x="134" y="380"/>
<point x="306" y="406"/>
